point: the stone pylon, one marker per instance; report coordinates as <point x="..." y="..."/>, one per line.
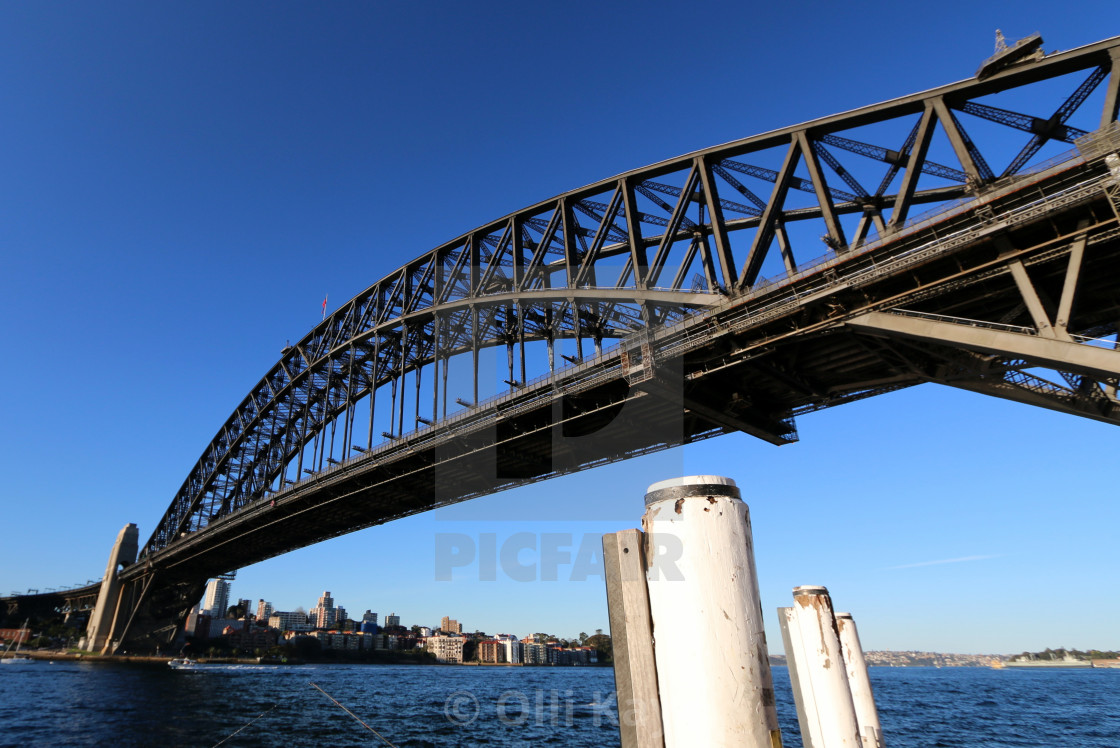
<point x="104" y="613"/>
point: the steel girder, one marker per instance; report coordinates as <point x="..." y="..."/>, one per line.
<point x="49" y="603"/>
<point x="635" y="252"/>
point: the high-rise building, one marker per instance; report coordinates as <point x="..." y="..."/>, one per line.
<point x="323" y="614"/>
<point x="216" y="602"/>
<point x="392" y="620"/>
<point x="369" y="617"/>
<point x="264" y="610"/>
<point x="340" y="615"/>
<point x="246" y="606"/>
<point x="450" y="626"/>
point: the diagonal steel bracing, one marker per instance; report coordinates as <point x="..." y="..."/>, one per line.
<point x="1100" y="363"/>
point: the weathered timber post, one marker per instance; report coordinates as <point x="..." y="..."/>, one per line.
<point x="635" y="676"/>
<point x="703" y="588"/>
<point x="826" y="711"/>
<point x="867" y="716"/>
<point x="802" y="692"/>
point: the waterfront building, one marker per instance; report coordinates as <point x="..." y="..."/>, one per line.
<point x="285" y="621"/>
<point x="216" y="601"/>
<point x="264" y="610"/>
<point x="533" y="653"/>
<point x="512" y="647"/>
<point x="574" y="656"/>
<point x="218" y="626"/>
<point x="343" y="641"/>
<point x="251" y="639"/>
<point x="192" y="620"/>
<point x="445" y="648"/>
<point x="200" y="627"/>
<point x="491" y="650"/>
<point x="13" y="636"/>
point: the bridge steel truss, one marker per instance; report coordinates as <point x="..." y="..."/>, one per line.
<point x="1015" y="272"/>
<point x="49" y="603"/>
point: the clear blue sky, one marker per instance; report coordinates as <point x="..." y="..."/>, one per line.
<point x="181" y="183"/>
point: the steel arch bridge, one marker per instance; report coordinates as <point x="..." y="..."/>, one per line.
<point x="729" y="289"/>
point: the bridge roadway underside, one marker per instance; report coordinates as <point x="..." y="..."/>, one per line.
<point x="15" y="609"/>
<point x="740" y="367"/>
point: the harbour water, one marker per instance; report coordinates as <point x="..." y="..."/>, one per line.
<point x="91" y="704"/>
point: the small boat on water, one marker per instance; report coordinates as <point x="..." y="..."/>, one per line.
<point x="9" y="656"/>
<point x="182" y="663"/>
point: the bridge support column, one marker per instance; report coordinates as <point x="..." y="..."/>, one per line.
<point x="105" y="612"/>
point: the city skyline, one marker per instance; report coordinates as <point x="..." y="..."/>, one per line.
<point x="218" y="591"/>
<point x="181" y="195"/>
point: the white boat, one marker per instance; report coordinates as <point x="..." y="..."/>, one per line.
<point x="182" y="663"/>
<point x="9" y="656"/>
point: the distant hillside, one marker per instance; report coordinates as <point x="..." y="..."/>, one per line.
<point x="917" y="659"/>
<point x="1062" y="654"/>
<point x="943" y="659"/>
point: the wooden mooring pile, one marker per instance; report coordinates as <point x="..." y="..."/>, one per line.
<point x="688" y="579"/>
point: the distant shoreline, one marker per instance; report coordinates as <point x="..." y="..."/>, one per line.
<point x="775" y="660"/>
<point x="56" y="655"/>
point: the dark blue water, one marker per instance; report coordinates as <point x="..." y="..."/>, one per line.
<point x="65" y="704"/>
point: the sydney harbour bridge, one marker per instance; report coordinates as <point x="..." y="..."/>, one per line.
<point x="968" y="236"/>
